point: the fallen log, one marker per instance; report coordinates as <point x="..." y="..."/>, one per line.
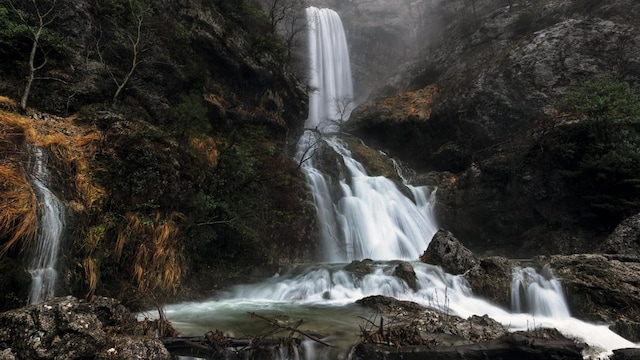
<point x="513" y="346"/>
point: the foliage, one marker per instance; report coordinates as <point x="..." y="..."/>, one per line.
<point x="16" y="35"/>
<point x="597" y="152"/>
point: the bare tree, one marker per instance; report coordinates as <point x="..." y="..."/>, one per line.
<point x="134" y="36"/>
<point x="43" y="18"/>
<point x="287" y="18"/>
<point x="342" y="106"/>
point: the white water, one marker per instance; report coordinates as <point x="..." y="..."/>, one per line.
<point x="364" y="216"/>
<point x="330" y="70"/>
<point x="42" y="263"/>
<point x="538" y="294"/>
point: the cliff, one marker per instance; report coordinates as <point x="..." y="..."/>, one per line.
<point x="524" y="115"/>
<point x="170" y="128"/>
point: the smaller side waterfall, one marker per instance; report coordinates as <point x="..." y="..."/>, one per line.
<point x="538" y="294"/>
<point x="44" y="255"/>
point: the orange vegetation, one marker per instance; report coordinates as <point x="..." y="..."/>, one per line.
<point x="415" y="105"/>
<point x="158" y="258"/>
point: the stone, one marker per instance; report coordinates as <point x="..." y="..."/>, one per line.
<point x="68" y="328"/>
<point x="405" y="271"/>
<point x="625" y="239"/>
<point x="491" y="279"/>
<point x="446" y="251"/>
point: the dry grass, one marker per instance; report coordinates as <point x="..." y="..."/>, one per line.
<point x="157" y="262"/>
<point x="91" y="276"/>
<point x="18" y="209"/>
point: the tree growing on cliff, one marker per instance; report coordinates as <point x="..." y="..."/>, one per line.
<point x="35" y="18"/>
<point x="342" y="106"/>
<point x="287" y="19"/>
<point x="126" y="35"/>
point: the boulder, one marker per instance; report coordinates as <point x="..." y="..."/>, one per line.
<point x="389" y="305"/>
<point x="405" y="271"/>
<point x="60" y="328"/>
<point x="491" y="279"/>
<point x="625" y="239"/>
<point x="359" y="267"/>
<point x="446" y="251"/>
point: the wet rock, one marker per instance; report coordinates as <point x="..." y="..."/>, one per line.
<point x="405" y="271"/>
<point x="7" y="354"/>
<point x="63" y="327"/>
<point x="135" y="347"/>
<point x="446" y="251"/>
<point x="628" y="329"/>
<point x="388" y="305"/>
<point x="599" y="287"/>
<point x="625" y="239"/>
<point x="360" y="267"/>
<point x="625" y="354"/>
<point x="416" y="325"/>
<point x="491" y="279"/>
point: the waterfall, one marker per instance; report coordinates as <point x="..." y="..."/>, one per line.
<point x="51" y="224"/>
<point x="538" y="294"/>
<point x="368" y="217"/>
<point x="362" y="216"/>
<point x="330" y="70"/>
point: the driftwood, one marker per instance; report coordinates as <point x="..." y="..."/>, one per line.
<point x="215" y="345"/>
<point x="204" y="347"/>
<point x="512" y="346"/>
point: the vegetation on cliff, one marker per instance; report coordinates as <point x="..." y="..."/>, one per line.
<point x="170" y="129"/>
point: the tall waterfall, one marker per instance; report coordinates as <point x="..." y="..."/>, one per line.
<point x="43" y="258"/>
<point x="330" y="69"/>
<point x="363" y="216"/>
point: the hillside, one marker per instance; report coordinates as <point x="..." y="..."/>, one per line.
<point x="170" y="129"/>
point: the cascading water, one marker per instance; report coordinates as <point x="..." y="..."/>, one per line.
<point x="362" y="216"/>
<point x="369" y="217"/>
<point x="330" y="70"/>
<point x="538" y="294"/>
<point x="42" y="263"/>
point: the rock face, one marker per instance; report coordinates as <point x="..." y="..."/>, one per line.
<point x="599" y="287"/>
<point x="445" y="250"/>
<point x="66" y="328"/>
<point x="480" y="106"/>
<point x="625" y="239"/>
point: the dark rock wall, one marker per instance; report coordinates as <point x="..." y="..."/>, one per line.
<point x="482" y="101"/>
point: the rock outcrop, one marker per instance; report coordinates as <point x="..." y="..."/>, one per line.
<point x="601" y="288"/>
<point x="66" y="328"/>
<point x="625" y="239"/>
<point x="446" y="251"/>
